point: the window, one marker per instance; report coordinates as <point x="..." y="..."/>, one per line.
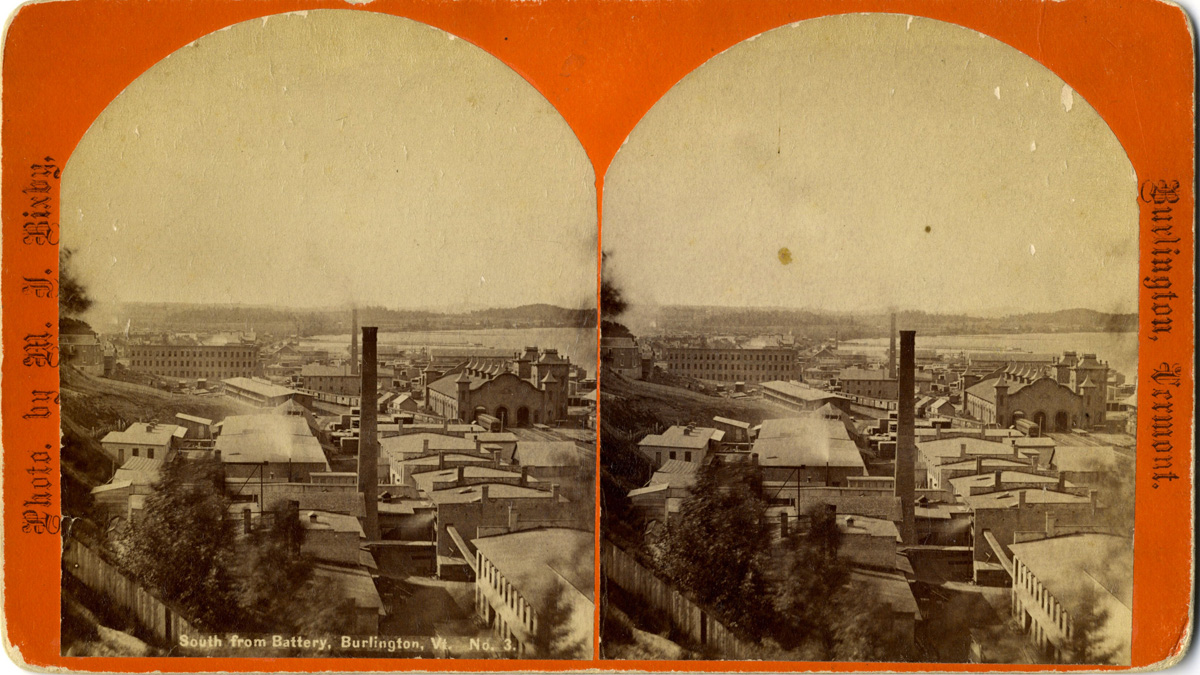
<point x="673" y="454"/>
<point x="150" y="453"/>
<point x="687" y="456"/>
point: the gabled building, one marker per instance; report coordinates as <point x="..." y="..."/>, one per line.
<point x="529" y="389"/>
<point x="151" y="440"/>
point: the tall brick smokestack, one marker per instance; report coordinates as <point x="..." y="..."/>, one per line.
<point x="906" y="447"/>
<point x="354" y="341"/>
<point x="892" y="349"/>
<point x="368" y="441"/>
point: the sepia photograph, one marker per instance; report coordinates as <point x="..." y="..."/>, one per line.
<point x="328" y="354"/>
<point x="869" y="358"/>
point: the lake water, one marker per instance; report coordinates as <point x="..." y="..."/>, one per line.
<point x="577" y="344"/>
<point x="1119" y="349"/>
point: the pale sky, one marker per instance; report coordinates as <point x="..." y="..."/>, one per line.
<point x="843" y="139"/>
<point x="329" y="157"/>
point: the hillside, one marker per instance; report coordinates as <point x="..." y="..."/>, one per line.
<point x="822" y="325"/>
<point x="91" y="406"/>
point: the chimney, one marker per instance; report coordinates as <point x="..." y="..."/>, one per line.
<point x="998" y="481"/>
<point x="1021" y="498"/>
<point x="905" y="478"/>
<point x="483" y="491"/>
<point x="962" y="449"/>
<point x="458" y="478"/>
<point x="512" y="519"/>
<point x="978" y="465"/>
<point x="368" y="443"/>
<point x="554" y="492"/>
<point x="425" y="446"/>
<point x="354" y="342"/>
<point x="478" y="445"/>
<point x="247" y="525"/>
<point x="524" y="475"/>
<point x="1092" y="497"/>
<point x="1051" y="525"/>
<point x="783" y="525"/>
<point x="892" y="349"/>
<point x="1062" y="483"/>
<point x="441" y="460"/>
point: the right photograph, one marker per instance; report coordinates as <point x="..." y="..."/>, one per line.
<point x="868" y="358"/>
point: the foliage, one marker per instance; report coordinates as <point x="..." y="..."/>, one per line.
<point x="181" y="545"/>
<point x="73" y="299"/>
<point x="612" y="302"/>
<point x="1085" y="643"/>
<point x="560" y="633"/>
<point x="280" y="593"/>
<point x="716" y="548"/>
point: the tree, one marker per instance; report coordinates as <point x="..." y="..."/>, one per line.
<point x="73" y="298"/>
<point x="562" y="632"/>
<point x="612" y="302"/>
<point x="1086" y="641"/>
<point x="804" y="598"/>
<point x="181" y="545"/>
<point x="716" y="549"/>
<point x="820" y="613"/>
<point x="279" y="591"/>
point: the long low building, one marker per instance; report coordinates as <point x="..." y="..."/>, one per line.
<point x="801" y="397"/>
<point x="806" y="451"/>
<point x="1056" y="581"/>
<point x="257" y="392"/>
<point x="268" y="448"/>
<point x="527" y="578"/>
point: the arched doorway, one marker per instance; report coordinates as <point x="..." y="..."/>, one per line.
<point x="502" y="415"/>
<point x="1039" y="418"/>
<point x="522" y="416"/>
<point x="1062" y="421"/>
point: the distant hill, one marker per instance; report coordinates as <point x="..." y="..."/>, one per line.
<point x="282" y="321"/>
<point x="820" y="325"/>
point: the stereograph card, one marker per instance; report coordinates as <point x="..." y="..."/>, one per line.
<point x="387" y="335"/>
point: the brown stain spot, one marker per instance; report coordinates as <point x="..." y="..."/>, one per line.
<point x="928" y="229"/>
<point x="785" y="256"/>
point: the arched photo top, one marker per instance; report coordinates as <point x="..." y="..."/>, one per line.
<point x="331" y="156"/>
<point x="870" y="161"/>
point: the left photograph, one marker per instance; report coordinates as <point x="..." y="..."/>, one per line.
<point x="328" y="354"/>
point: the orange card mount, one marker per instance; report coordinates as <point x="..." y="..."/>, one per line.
<point x="195" y="193"/>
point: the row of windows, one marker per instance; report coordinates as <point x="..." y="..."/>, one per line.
<point x="212" y="351"/>
<point x="1047" y="602"/>
<point x="164" y="363"/>
<point x="673" y="454"/>
<point x="729" y="356"/>
<point x="728" y="366"/>
<point x="511" y="598"/>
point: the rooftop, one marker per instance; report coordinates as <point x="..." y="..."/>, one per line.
<point x="1072" y="566"/>
<point x="334" y="522"/>
<point x="681" y="437"/>
<point x="265" y="389"/>
<point x="538" y="562"/>
<point x="547" y="453"/>
<point x="806" y="441"/>
<point x="1009" y="499"/>
<point x="800" y="391"/>
<point x="254" y="439"/>
<point x="474" y="493"/>
<point x="145" y="433"/>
